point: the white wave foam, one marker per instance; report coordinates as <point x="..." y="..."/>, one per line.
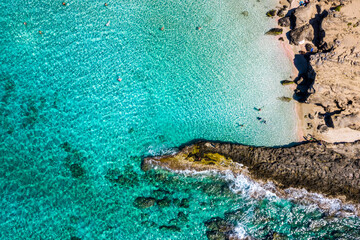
<point x="247" y="187"/>
<point x="240" y="231"/>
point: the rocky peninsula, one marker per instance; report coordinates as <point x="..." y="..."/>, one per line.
<point x="332" y="169"/>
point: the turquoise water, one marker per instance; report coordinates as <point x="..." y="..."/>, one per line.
<point x="69" y="129"/>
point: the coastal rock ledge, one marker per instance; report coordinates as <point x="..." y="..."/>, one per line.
<point x="332" y="169"/>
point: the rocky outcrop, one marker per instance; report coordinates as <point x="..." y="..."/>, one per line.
<point x="144" y="202"/>
<point x="302" y="34"/>
<point x="330" y="169"/>
<point x="303" y="14"/>
<point x="274" y="31"/>
<point x="284" y="22"/>
<point x="218" y="229"/>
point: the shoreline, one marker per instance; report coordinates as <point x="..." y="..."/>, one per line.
<point x="322" y="112"/>
<point x="290" y="51"/>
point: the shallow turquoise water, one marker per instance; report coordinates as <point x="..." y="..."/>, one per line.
<point x="66" y="122"/>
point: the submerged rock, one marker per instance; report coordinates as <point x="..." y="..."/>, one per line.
<point x="165" y="202"/>
<point x="274" y="31"/>
<point x="284" y="99"/>
<point x="185" y="203"/>
<point x="182" y="217"/>
<point x="218" y="228"/>
<point x="76" y="170"/>
<point x="245" y="13"/>
<point x="144" y="202"/>
<point x="214" y="235"/>
<point x="75" y="238"/>
<point x="170" y="227"/>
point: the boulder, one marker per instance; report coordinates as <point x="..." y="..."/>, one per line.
<point x="284" y="22"/>
<point x="286" y="82"/>
<point x="182" y="217"/>
<point x="218" y="224"/>
<point x="302" y="34"/>
<point x="284" y="99"/>
<point x="245" y="13"/>
<point x="185" y="203"/>
<point x="165" y="202"/>
<point x="76" y="170"/>
<point x="303" y="15"/>
<point x="271" y="13"/>
<point x="170" y="227"/>
<point x="281" y="13"/>
<point x="214" y="235"/>
<point x="274" y="31"/>
<point x="144" y="202"/>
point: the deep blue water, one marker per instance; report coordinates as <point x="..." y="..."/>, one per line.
<point x="68" y="125"/>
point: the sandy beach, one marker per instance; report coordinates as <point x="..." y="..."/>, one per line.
<point x="330" y="110"/>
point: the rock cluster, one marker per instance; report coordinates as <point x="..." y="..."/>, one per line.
<point x="327" y="35"/>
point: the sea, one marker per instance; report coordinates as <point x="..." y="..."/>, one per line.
<point x="89" y="88"/>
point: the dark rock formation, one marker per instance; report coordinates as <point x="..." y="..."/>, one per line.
<point x="284" y="22"/>
<point x="185" y="203"/>
<point x="165" y="202"/>
<point x="330" y="169"/>
<point x="302" y="34"/>
<point x="76" y="170"/>
<point x="274" y="31"/>
<point x="144" y="202"/>
<point x="286" y="82"/>
<point x="271" y="13"/>
<point x="182" y="217"/>
<point x="284" y="99"/>
<point x="218" y="228"/>
<point x="302" y="15"/>
<point x="170" y="227"/>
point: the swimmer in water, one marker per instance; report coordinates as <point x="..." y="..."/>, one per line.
<point x="105" y="4"/>
<point x="25" y="23"/>
<point x="239" y="125"/>
<point x="108" y="23"/>
<point x="40" y="32"/>
<point x="257" y="109"/>
<point x="198" y="28"/>
<point x="162" y="28"/>
<point x="119" y="79"/>
<point x="64" y="3"/>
